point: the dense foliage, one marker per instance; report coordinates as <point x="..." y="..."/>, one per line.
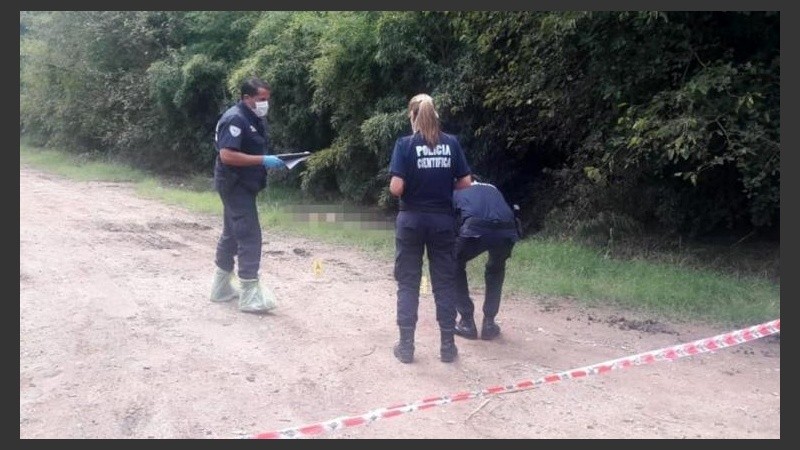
<point x="589" y="120"/>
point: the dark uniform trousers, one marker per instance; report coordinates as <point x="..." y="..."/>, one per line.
<point x="415" y="233"/>
<point x="241" y="231"/>
<point x="499" y="250"/>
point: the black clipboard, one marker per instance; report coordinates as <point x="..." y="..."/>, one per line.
<point x="293" y="159"/>
<point x="290" y="156"/>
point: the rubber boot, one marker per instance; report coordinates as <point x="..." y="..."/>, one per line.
<point x="404" y="348"/>
<point x="448" y="351"/>
<point x="222" y="290"/>
<point x="255" y="299"/>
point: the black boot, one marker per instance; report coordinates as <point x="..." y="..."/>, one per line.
<point x="489" y="330"/>
<point x="466" y="328"/>
<point x="404" y="349"/>
<point x="448" y="351"/>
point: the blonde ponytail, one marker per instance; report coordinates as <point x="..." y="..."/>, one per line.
<point x="424" y="118"/>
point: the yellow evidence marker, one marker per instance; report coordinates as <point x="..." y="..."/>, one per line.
<point x="316" y="266"/>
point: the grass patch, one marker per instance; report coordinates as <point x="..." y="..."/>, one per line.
<point x="77" y="167"/>
<point x="566" y="268"/>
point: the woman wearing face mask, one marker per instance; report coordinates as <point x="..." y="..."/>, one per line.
<point x="241" y="142"/>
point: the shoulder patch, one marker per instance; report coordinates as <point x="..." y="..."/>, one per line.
<point x="235" y="131"/>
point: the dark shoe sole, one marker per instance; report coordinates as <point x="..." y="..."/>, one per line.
<point x="448" y="357"/>
<point x="464" y="333"/>
<point x="488" y="336"/>
<point x="402" y="357"/>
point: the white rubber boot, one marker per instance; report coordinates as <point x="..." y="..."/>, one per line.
<point x="222" y="290"/>
<point x="256" y="299"/>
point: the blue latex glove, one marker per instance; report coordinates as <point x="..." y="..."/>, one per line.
<point x="273" y="162"/>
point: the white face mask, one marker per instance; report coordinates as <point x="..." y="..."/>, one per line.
<point x="262" y="108"/>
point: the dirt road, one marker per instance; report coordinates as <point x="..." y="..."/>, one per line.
<point x="118" y="340"/>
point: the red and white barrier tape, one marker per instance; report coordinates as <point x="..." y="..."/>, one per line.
<point x="667" y="353"/>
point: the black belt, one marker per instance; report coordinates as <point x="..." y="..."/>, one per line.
<point x="492" y="224"/>
<point x="427" y="209"/>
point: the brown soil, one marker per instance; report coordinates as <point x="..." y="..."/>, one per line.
<point x="119" y="340"/>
